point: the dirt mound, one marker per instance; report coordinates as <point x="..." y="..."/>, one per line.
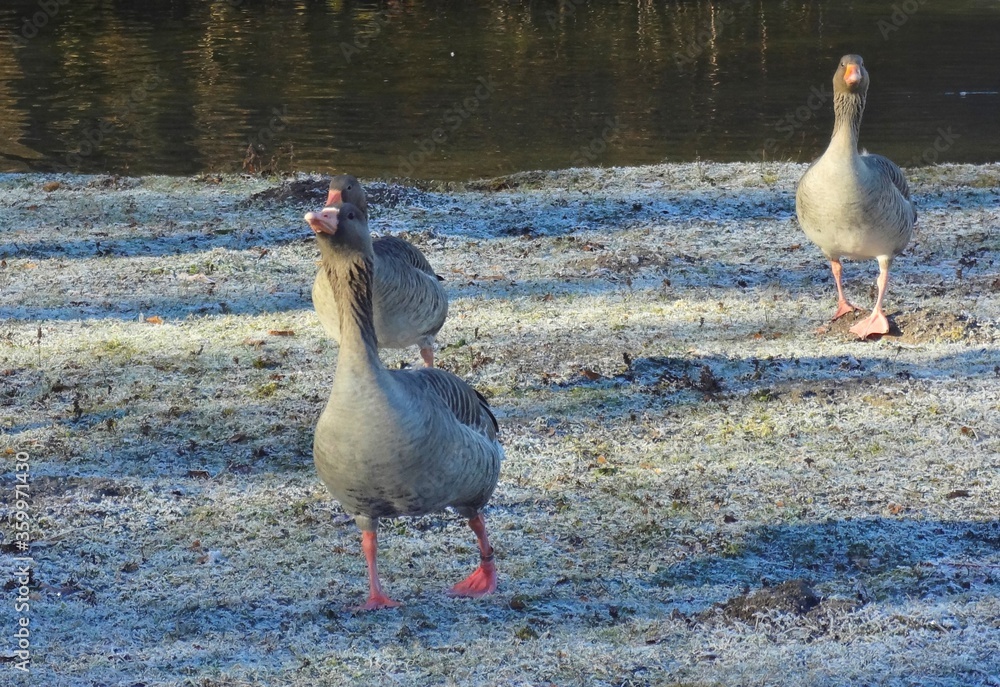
<point x="386" y="195"/>
<point x="795" y="597"/>
<point x="926" y="326"/>
<point x="299" y="192"/>
<point x="917" y="327"/>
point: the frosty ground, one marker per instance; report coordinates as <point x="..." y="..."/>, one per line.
<point x="706" y="483"/>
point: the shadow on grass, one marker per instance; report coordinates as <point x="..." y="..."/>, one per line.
<point x="651" y="381"/>
<point x="903" y="558"/>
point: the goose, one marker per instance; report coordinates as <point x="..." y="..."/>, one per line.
<point x="855" y="205"/>
<point x="396" y="442"/>
<point x="410" y="303"/>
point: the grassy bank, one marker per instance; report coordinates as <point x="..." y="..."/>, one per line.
<point x="706" y="484"/>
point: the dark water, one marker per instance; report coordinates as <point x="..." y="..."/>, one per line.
<point x="460" y="89"/>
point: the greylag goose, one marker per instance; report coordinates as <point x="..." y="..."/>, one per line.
<point x="855" y="205"/>
<point x="396" y="442"/>
<point x="410" y="304"/>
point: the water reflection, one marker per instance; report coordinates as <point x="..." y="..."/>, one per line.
<point x="390" y="88"/>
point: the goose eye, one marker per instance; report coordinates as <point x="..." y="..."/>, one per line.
<point x="350" y="215"/>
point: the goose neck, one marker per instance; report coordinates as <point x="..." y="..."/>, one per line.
<point x="848" y="110"/>
<point x="351" y="280"/>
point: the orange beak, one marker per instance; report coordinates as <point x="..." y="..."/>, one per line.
<point x="852" y="75"/>
<point x="324" y="221"/>
<point x="333" y="200"/>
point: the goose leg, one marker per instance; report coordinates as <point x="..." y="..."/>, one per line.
<point x="877" y="322"/>
<point x="376" y="599"/>
<point x="483" y="580"/>
<point x="843" y="306"/>
<point x="427" y="353"/>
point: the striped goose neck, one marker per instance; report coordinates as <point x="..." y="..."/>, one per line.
<point x="352" y="288"/>
<point x="848" y="108"/>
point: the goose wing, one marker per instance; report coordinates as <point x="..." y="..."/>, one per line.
<point x="468" y="405"/>
<point x="890" y="171"/>
<point x="410" y="302"/>
<point x="399" y="250"/>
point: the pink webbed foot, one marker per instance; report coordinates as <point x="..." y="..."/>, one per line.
<point x="844" y="308"/>
<point x="376" y="598"/>
<point x="876" y="323"/>
<point x="481" y="582"/>
<point x="377" y="602"/>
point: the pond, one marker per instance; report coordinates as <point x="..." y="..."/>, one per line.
<point x="454" y="89"/>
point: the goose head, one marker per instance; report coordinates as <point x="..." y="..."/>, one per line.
<point x="341" y="230"/>
<point x="851" y="76"/>
<point x="345" y="188"/>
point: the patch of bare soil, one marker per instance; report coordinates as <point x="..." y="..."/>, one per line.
<point x="917" y="326"/>
<point x="921" y="326"/>
<point x="311" y="192"/>
<point x="794" y="596"/>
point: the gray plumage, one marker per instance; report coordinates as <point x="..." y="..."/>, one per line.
<point x="410" y="305"/>
<point x="406" y="442"/>
<point x="394" y="442"/>
<point x="853" y="204"/>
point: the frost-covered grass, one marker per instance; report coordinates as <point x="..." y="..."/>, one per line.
<point x="683" y="429"/>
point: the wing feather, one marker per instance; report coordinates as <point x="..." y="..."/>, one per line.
<point x="397" y="249"/>
<point x="468" y="405"/>
<point x="890" y="170"/>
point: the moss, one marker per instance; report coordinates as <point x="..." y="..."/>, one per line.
<point x="985" y="180"/>
<point x="266" y="390"/>
<point x="117" y="347"/>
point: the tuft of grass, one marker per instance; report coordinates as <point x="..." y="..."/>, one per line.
<point x="266" y="390"/>
<point x="985" y="180"/>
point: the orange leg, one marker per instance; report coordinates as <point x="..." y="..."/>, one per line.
<point x="877" y="322"/>
<point x="483" y="580"/>
<point x="376" y="599"/>
<point x="843" y="306"/>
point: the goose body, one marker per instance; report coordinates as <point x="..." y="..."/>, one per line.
<point x="852" y="204"/>
<point x="396" y="442"/>
<point x="406" y="442"/>
<point x="409" y="303"/>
